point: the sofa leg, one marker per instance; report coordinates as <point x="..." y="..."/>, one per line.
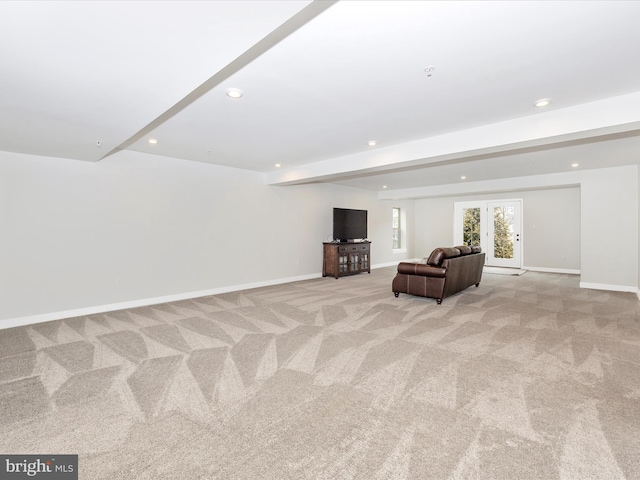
<point x="477" y="284"/>
<point x="439" y="300"/>
<point x="396" y="294"/>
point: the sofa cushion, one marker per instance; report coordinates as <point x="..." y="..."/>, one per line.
<point x="476" y="249"/>
<point x="439" y="254"/>
<point x="421" y="269"/>
<point x="464" y="250"/>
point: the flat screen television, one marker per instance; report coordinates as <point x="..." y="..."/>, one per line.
<point x="349" y="224"/>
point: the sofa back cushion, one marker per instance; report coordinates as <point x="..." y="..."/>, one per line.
<point x="440" y="254"/>
<point x="464" y="250"/>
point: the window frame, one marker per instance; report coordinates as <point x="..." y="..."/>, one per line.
<point x="396" y="230"/>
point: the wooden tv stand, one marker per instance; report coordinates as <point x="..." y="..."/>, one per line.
<point x="346" y="258"/>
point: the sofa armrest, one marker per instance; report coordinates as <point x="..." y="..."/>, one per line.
<point x="421" y="269"/>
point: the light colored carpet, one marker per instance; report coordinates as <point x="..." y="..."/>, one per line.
<point x="522" y="378"/>
<point x="503" y="271"/>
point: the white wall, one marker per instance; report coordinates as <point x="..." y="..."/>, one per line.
<point x="552" y="229"/>
<point x="608" y="222"/>
<point x="433" y="224"/>
<point x="610" y="228"/>
<point x="551" y="225"/>
<point x="79" y="235"/>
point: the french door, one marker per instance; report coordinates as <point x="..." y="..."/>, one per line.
<point x="494" y="225"/>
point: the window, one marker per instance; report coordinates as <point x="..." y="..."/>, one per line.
<point x="471" y="226"/>
<point x="396" y="228"/>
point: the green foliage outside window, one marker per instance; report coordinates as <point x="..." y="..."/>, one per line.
<point x="471" y="226"/>
<point x="502" y="230"/>
<point x="503" y="236"/>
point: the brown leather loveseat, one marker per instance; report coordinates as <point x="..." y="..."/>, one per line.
<point x="447" y="271"/>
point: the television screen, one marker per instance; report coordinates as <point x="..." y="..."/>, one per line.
<point x="349" y="224"/>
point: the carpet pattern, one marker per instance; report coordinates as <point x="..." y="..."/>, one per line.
<point x="522" y="378"/>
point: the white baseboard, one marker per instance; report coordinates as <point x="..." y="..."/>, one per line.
<point x="552" y="270"/>
<point x="612" y="288"/>
<point x="47" y="317"/>
<point x="593" y="286"/>
<point x="388" y="264"/>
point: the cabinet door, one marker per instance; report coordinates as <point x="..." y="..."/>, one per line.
<point x="343" y="263"/>
<point x="354" y="262"/>
<point x="364" y="261"/>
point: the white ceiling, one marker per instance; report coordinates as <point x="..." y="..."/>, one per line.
<point x="321" y="79"/>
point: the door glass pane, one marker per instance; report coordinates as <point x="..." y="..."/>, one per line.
<point x="503" y="218"/>
<point x="471" y="226"/>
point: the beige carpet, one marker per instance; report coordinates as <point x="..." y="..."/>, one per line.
<point x="522" y="378"/>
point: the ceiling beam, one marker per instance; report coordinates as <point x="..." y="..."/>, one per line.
<point x="601" y="119"/>
<point x="300" y="19"/>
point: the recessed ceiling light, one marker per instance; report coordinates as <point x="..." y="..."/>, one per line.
<point x="277" y="165"/>
<point x="372" y="143"/>
<point x="463" y="178"/>
<point x="543" y="102"/>
<point x="384" y="186"/>
<point x="234" y="92"/>
<point x="575" y="165"/>
<point x="153" y="141"/>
